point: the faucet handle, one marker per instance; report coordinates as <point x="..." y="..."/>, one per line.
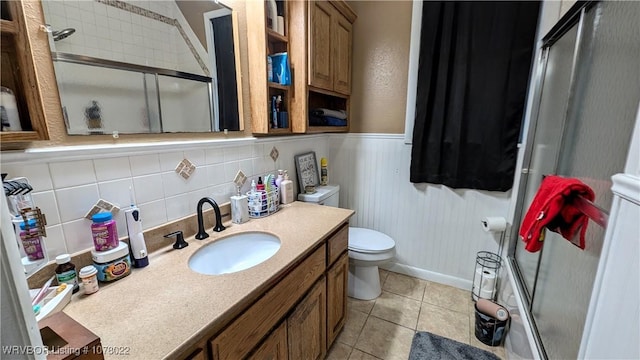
<point x="180" y="243"/>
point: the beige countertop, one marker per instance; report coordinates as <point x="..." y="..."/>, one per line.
<point x="163" y="309"/>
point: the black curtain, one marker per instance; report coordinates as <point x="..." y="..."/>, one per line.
<point x="475" y="59"/>
<point x="226" y="64"/>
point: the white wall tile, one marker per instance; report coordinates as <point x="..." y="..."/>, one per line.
<point x="245" y="152"/>
<point x="247" y="167"/>
<point x="230" y="170"/>
<point x="54" y="242"/>
<point x="153" y="214"/>
<point x="196" y="156"/>
<point x="169" y="161"/>
<point x="215" y="174"/>
<point x="144" y="164"/>
<point x="46" y="201"/>
<point x="148" y="188"/>
<point x="173" y="184"/>
<point x="195" y="196"/>
<point x="72" y="173"/>
<point x="37" y="174"/>
<point x="222" y="193"/>
<point x="116" y="192"/>
<point x="214" y="156"/>
<point x="77" y="235"/>
<point x="231" y="153"/>
<point x="198" y="180"/>
<point x="179" y="206"/>
<point x="112" y="168"/>
<point x="75" y="202"/>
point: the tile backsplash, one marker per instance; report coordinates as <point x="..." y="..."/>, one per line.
<point x="66" y="188"/>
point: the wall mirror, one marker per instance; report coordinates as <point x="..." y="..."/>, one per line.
<point x="140" y="67"/>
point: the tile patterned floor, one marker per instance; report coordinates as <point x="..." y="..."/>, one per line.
<point x="383" y="328"/>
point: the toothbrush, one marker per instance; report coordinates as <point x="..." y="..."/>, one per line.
<point x="43" y="291"/>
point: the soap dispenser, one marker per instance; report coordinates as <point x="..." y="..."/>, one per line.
<point x="239" y="208"/>
<point x="286" y="190"/>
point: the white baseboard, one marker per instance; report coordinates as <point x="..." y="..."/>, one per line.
<point x="429" y="275"/>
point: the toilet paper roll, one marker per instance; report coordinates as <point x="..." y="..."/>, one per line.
<point x="492" y="309"/>
<point x="484" y="283"/>
<point x="494" y="224"/>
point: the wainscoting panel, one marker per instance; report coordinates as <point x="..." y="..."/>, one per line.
<point x="437" y="229"/>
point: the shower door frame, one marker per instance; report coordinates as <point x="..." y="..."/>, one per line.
<point x="574" y="17"/>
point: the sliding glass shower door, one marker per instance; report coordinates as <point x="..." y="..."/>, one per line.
<point x="586" y="114"/>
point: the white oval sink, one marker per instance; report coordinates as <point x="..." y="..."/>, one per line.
<point x="234" y="253"/>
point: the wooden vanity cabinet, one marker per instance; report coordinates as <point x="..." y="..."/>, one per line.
<point x="299" y="317"/>
<point x="306" y="326"/>
<point x="19" y="22"/>
<point x="274" y="347"/>
<point x="337" y="277"/>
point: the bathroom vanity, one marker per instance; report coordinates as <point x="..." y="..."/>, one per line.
<point x="291" y="306"/>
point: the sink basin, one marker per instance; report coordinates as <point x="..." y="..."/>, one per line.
<point x="234" y="253"/>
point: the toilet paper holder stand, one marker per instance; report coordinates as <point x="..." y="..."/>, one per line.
<point x="486" y="275"/>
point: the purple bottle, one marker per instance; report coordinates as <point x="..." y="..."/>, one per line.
<point x="31" y="240"/>
<point x="104" y="232"/>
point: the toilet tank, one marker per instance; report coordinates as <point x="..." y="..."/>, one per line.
<point x="325" y="195"/>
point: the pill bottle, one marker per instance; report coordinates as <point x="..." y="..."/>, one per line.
<point x="66" y="272"/>
<point x="104" y="232"/>
<point x="31" y="240"/>
<point x="89" y="277"/>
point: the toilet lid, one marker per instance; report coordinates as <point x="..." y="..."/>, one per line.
<point x="369" y="241"/>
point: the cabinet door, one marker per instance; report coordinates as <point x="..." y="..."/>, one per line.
<point x="320" y="56"/>
<point x="337" y="297"/>
<point x="306" y="326"/>
<point x="274" y="347"/>
<point x="341" y="40"/>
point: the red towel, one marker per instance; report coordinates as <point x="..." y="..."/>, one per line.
<point x="553" y="208"/>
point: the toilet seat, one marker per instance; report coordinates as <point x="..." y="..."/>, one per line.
<point x="369" y="241"/>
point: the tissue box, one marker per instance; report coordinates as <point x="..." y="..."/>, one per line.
<point x="280" y="68"/>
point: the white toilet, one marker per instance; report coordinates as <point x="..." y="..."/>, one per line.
<point x="367" y="248"/>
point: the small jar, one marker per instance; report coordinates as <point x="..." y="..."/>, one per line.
<point x="104" y="232"/>
<point x="66" y="272"/>
<point x="89" y="277"/>
<point x="31" y="240"/>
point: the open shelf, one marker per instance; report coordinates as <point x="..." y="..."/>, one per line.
<point x="274" y="36"/>
<point x="273" y="85"/>
<point x="8" y="26"/>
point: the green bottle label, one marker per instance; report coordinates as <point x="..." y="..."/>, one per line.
<point x="67" y="277"/>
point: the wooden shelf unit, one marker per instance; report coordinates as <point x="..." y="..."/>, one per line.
<point x="18" y="75"/>
<point x="263" y="42"/>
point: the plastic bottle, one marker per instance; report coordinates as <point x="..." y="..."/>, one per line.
<point x="279" y="178"/>
<point x="66" y="272"/>
<point x="89" y="277"/>
<point x="324" y="177"/>
<point x="272" y="15"/>
<point x="31" y="240"/>
<point x="286" y="189"/>
<point x="104" y="231"/>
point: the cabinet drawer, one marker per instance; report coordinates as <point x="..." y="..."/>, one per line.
<point x="239" y="338"/>
<point x="337" y="244"/>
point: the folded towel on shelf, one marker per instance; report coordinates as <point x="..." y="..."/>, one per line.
<point x="338" y="114"/>
<point x="315" y="120"/>
<point x="553" y="208"/>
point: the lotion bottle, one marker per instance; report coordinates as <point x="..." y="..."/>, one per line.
<point x="286" y="189"/>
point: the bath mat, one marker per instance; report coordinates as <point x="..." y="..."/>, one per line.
<point x="433" y="347"/>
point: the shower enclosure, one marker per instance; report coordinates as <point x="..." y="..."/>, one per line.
<point x="587" y="97"/>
